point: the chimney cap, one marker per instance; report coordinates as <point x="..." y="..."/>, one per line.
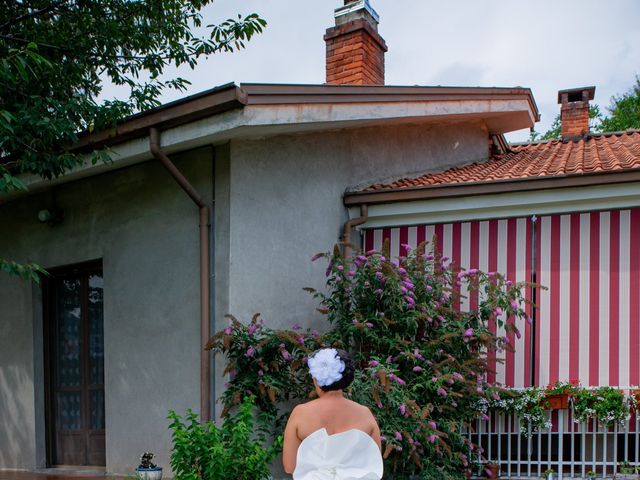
<point x="355" y="5"/>
<point x="577" y="93"/>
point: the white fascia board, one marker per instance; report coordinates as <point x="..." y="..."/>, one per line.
<point x="265" y="120"/>
<point x="503" y="205"/>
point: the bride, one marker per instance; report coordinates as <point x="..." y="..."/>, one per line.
<point x="332" y="438"/>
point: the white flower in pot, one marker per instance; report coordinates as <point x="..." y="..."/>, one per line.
<point x="147" y="470"/>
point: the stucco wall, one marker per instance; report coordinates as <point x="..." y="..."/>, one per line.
<point x="286" y="204"/>
<point x="145" y="230"/>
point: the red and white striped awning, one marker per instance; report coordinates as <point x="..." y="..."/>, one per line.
<point x="587" y="323"/>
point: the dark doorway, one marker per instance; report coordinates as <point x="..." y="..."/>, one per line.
<point x="74" y="365"/>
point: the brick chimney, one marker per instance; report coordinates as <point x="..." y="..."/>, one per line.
<point x="574" y="112"/>
<point x="355" y="49"/>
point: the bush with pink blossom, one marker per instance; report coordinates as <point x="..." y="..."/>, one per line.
<point x="423" y="360"/>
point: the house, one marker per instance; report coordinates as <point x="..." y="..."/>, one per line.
<point x="215" y="203"/>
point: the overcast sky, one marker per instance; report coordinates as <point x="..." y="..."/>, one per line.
<point x="545" y="45"/>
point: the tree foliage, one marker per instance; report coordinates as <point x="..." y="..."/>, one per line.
<point x="624" y="111"/>
<point x="423" y="363"/>
<point x="56" y="54"/>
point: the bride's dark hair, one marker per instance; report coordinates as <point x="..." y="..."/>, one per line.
<point x="347" y="374"/>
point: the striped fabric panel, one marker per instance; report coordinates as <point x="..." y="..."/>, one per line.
<point x="589" y="318"/>
<point x="494" y="245"/>
<point x="587" y="324"/>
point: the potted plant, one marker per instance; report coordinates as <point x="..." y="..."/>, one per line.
<point x="605" y="403"/>
<point x="549" y="474"/>
<point x="492" y="470"/>
<point x="635" y="398"/>
<point x="627" y="471"/>
<point x="557" y="396"/>
<point x="527" y="404"/>
<point x="147" y="470"/>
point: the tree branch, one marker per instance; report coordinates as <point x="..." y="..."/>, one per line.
<point x="33" y="14"/>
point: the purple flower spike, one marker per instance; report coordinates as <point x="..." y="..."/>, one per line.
<point x="403" y="409"/>
<point x="468" y="333"/>
<point x="369" y="325"/>
<point x="433" y="438"/>
<point x="340" y="267"/>
<point x="374" y="363"/>
<point x="351" y="273"/>
<point x="442" y="392"/>
<point x="296" y="327"/>
<point x="402" y="271"/>
<point x="228" y="330"/>
<point x="250" y="352"/>
<point x="514" y="304"/>
<point x="397" y="435"/>
<point x="417" y="369"/>
<point x="260" y="373"/>
<point x="432" y="425"/>
<point x="252" y="329"/>
<point x="499" y="311"/>
<point x="400" y="381"/>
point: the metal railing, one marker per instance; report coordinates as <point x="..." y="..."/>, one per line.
<point x="572" y="449"/>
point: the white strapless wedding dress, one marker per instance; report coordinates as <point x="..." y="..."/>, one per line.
<point x="348" y="455"/>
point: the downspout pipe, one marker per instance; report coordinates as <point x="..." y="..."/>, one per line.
<point x="349" y="225"/>
<point x="205" y="283"/>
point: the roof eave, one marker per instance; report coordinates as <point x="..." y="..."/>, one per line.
<point x="451" y="190"/>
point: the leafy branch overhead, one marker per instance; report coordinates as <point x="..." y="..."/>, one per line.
<point x="55" y="57"/>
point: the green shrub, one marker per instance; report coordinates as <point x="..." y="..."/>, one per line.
<point x="235" y="451"/>
<point x="423" y="362"/>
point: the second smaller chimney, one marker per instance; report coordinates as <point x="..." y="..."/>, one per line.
<point x="574" y="111"/>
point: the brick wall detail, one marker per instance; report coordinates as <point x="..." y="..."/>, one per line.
<point x="575" y="119"/>
<point x="355" y="54"/>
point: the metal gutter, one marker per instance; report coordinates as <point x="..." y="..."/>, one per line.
<point x="205" y="278"/>
<point x="449" y="190"/>
<point x="204" y="104"/>
<point x="349" y="224"/>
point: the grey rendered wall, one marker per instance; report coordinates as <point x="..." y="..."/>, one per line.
<point x="286" y="204"/>
<point x="145" y="229"/>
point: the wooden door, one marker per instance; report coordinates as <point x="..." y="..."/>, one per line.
<point x="74" y="344"/>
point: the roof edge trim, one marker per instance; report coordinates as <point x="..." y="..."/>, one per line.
<point x="482" y="188"/>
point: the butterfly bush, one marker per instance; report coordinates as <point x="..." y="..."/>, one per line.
<point x="423" y="362"/>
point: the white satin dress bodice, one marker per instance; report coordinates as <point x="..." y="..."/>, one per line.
<point x="348" y="455"/>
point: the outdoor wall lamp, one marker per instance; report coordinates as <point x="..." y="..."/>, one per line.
<point x="52" y="216"/>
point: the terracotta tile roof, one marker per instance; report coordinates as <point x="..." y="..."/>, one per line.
<point x="597" y="153"/>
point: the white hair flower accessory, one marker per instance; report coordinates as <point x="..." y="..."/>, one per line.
<point x="326" y="366"/>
